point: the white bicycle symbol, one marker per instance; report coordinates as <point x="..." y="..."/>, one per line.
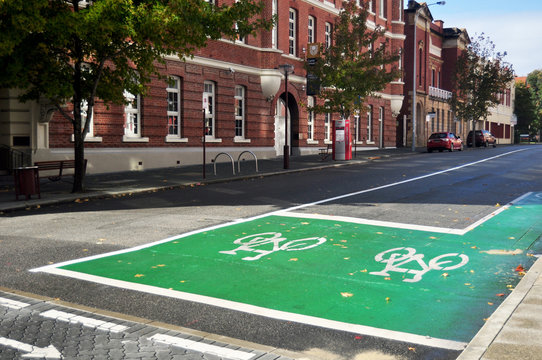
<point x="395" y="258"/>
<point x="250" y="242"/>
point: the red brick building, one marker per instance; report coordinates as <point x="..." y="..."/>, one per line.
<point x="245" y="89"/>
<point x="437" y="50"/>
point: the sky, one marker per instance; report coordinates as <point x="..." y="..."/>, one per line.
<point x="514" y="26"/>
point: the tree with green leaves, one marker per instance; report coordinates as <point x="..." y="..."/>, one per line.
<point x="534" y="85"/>
<point x="481" y="74"/>
<point x="525" y="109"/>
<point x="75" y="52"/>
<point x="353" y="67"/>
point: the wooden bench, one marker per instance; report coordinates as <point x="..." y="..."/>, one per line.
<point x="325" y="152"/>
<point x="54" y="165"/>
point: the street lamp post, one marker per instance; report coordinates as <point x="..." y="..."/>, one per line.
<point x="286" y="70"/>
<point x="414" y="74"/>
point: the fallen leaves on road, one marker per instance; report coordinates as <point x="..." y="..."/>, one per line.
<point x="139" y="275"/>
<point x="520" y="268"/>
<point x="347" y="294"/>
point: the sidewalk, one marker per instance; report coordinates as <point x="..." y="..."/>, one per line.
<point x="514" y="330"/>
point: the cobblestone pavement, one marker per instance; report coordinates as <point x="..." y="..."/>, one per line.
<point x="42" y="329"/>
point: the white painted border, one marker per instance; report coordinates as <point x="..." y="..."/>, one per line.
<point x="270" y="313"/>
<point x="256" y="310"/>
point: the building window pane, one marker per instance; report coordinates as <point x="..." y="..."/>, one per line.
<point x="310" y="119"/>
<point x="132" y="125"/>
<point x="292" y="28"/>
<point x="209" y="89"/>
<point x="85" y="116"/>
<point x="311" y="30"/>
<point x="328" y="35"/>
<point x="327" y="127"/>
<point x="274" y="32"/>
<point x="173" y="106"/>
<point x="370" y="123"/>
<point x="240" y="111"/>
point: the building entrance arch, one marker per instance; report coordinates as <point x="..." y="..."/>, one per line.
<point x="280" y="128"/>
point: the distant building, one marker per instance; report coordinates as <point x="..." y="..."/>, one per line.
<point x="437" y="50"/>
<point x="502" y="120"/>
<point x="245" y="90"/>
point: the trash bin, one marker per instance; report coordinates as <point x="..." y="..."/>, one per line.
<point x="27" y="182"/>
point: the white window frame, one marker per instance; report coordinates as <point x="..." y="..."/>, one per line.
<point x="133" y="119"/>
<point x="310" y="119"/>
<point x="90" y="133"/>
<point x="311" y="21"/>
<point x="239" y="113"/>
<point x="357" y="123"/>
<point x="209" y="88"/>
<point x="327" y="37"/>
<point x="274" y="31"/>
<point x="382" y="7"/>
<point x="400" y="64"/>
<point x="292" y="32"/>
<point x="327" y="128"/>
<point x="175" y="90"/>
<point x="370" y="2"/>
<point x="370" y="125"/>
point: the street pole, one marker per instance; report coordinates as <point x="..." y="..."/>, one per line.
<point x="286" y="147"/>
<point x="286" y="68"/>
<point x="414" y="84"/>
<point x="203" y="165"/>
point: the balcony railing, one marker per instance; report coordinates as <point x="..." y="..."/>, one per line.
<point x="439" y="93"/>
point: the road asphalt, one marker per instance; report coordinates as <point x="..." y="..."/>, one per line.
<point x="514" y="330"/>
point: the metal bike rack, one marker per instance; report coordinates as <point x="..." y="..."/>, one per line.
<point x="228" y="155"/>
<point x="239" y="160"/>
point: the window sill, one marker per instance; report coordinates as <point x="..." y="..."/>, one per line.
<point x="370" y="142"/>
<point x="241" y="140"/>
<point x="327" y="142"/>
<point x="134" y="139"/>
<point x="312" y="142"/>
<point x="175" y="139"/>
<point x="209" y="139"/>
<point x="90" y="139"/>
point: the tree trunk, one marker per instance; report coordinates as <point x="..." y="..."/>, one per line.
<point x="79" y="156"/>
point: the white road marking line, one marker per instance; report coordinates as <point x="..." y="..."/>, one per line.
<point x="12" y="304"/>
<point x="304" y="319"/>
<point x="83" y="320"/>
<point x="276" y="212"/>
<point x="49" y="352"/>
<point x="379" y="223"/>
<point x="397" y="225"/>
<point x="270" y="313"/>
<point x="202" y="347"/>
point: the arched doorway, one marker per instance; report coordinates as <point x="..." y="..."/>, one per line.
<point x="293" y="124"/>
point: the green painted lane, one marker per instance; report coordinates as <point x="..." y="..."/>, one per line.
<point x="433" y="284"/>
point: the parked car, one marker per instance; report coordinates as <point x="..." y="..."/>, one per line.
<point x="444" y="141"/>
<point x="483" y="138"/>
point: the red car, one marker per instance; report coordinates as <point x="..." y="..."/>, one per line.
<point x="444" y="141"/>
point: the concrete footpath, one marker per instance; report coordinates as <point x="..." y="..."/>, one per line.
<point x="514" y="331"/>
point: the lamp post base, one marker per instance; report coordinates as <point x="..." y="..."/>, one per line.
<point x="286" y="157"/>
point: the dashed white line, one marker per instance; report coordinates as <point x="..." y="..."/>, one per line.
<point x="12" y="304"/>
<point x="202" y="347"/>
<point x="83" y="320"/>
